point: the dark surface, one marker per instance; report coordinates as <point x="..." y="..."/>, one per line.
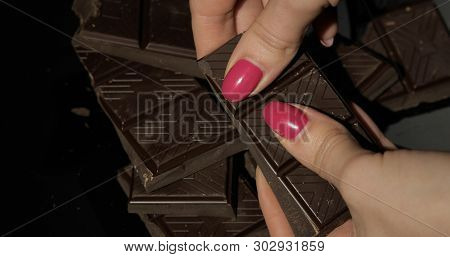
<point x="168" y="122"/>
<point x="311" y="204"/>
<point x="360" y="13"/>
<point x="52" y="154"/>
<point x="154" y="32"/>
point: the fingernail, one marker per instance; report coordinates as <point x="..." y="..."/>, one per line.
<point x="241" y="80"/>
<point x="327" y="42"/>
<point x="284" y="119"/>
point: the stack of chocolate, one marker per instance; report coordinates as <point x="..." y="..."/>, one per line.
<point x="193" y="154"/>
<point x="413" y="39"/>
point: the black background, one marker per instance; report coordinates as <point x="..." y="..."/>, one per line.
<point x="50" y="154"/>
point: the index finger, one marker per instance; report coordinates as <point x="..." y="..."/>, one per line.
<point x="213" y="24"/>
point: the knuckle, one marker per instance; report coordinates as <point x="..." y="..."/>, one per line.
<point x="327" y="143"/>
<point x="273" y="41"/>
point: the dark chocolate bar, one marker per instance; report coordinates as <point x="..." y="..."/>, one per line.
<point x="311" y="204"/>
<point x="371" y="75"/>
<point x="247" y="221"/>
<point x="168" y="123"/>
<point x="416" y="39"/>
<point x="154" y="32"/>
<point x="208" y="192"/>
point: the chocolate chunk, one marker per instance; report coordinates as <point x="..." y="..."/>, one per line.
<point x="152" y="32"/>
<point x="166" y="23"/>
<point x="169" y="124"/>
<point x="312" y="205"/>
<point x="247" y="221"/>
<point x="371" y="75"/>
<point x="208" y="192"/>
<point x="416" y="39"/>
<point x="116" y="20"/>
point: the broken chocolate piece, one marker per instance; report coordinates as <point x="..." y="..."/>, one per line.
<point x="208" y="192"/>
<point x="168" y="123"/>
<point x="248" y="220"/>
<point x="167" y="23"/>
<point x="312" y="205"/>
<point x="416" y="39"/>
<point x="152" y="32"/>
<point x="371" y="75"/>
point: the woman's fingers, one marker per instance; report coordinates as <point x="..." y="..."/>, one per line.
<point x="315" y="140"/>
<point x="246" y="12"/>
<point x="385" y="192"/>
<point x="213" y="24"/>
<point x="273" y="37"/>
<point x="318" y="142"/>
<point x="326" y="26"/>
<point x="269" y="45"/>
<point x="276" y="221"/>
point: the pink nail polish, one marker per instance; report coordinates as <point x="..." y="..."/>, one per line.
<point x="241" y="80"/>
<point x="284" y="119"/>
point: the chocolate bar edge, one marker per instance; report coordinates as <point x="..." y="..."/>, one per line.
<point x="221" y="208"/>
<point x="156" y="56"/>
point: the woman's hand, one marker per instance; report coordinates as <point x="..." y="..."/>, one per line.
<point x="395" y="193"/>
<point x="274" y="30"/>
<point x="398" y="192"/>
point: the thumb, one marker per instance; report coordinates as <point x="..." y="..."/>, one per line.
<point x="318" y="142"/>
<point x="269" y="45"/>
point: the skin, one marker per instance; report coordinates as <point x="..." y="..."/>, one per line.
<point x="395" y="193"/>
